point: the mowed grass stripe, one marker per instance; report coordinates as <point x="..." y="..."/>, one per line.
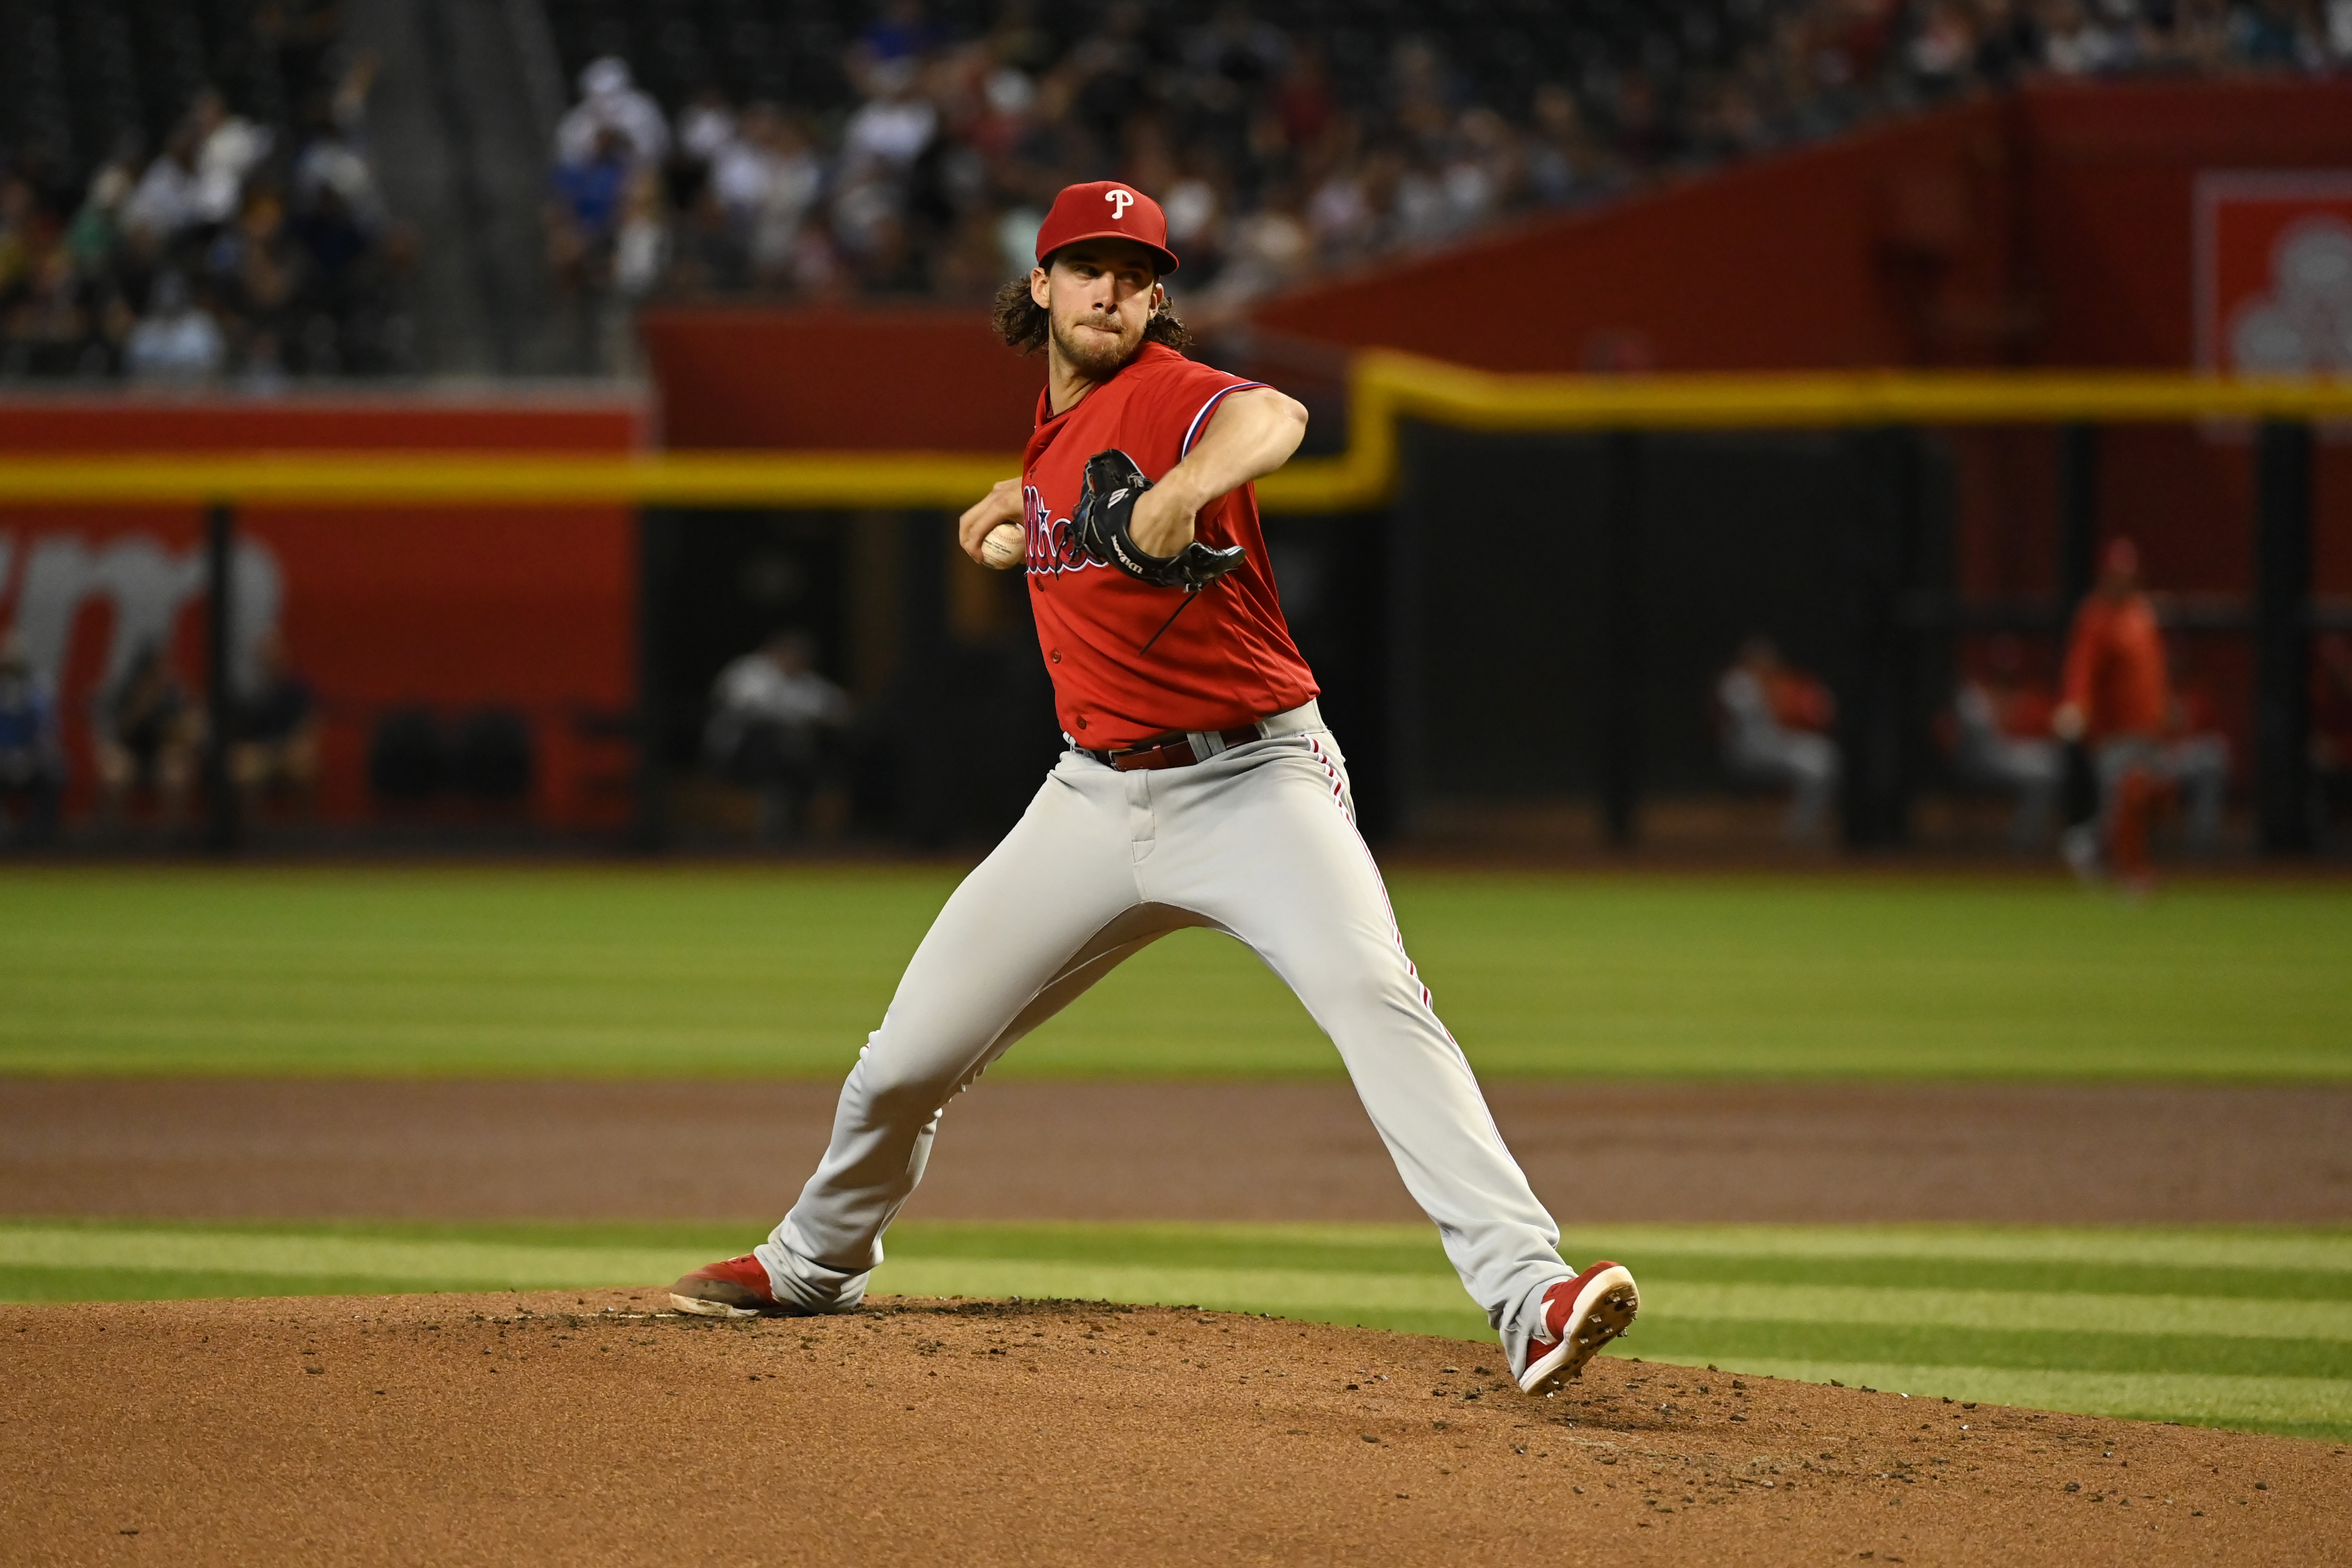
<point x="1677" y="1260"/>
<point x="2309" y="1405"/>
<point x="2016" y="1312"/>
<point x="2160" y="1258"/>
<point x="780" y="972"/>
<point x="293" y="1256"/>
<point x="1734" y="1340"/>
<point x="2177" y="1248"/>
<point x="2279" y="1363"/>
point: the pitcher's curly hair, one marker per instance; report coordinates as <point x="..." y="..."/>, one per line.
<point x="1024" y="324"/>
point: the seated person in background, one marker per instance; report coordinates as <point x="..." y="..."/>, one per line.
<point x="2003" y="739"/>
<point x="32" y="764"/>
<point x="770" y="715"/>
<point x="274" y="741"/>
<point x="144" y="737"/>
<point x="2194" y="759"/>
<point x="1776" y="719"/>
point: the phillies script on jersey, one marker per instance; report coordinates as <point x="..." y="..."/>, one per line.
<point x="1227" y="660"/>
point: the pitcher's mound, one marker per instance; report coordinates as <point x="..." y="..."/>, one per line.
<point x="595" y="1426"/>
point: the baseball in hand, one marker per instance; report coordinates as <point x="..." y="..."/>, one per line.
<point x="1002" y="546"/>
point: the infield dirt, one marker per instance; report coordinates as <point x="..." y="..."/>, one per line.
<point x="590" y="1426"/>
<point x="652" y="1149"/>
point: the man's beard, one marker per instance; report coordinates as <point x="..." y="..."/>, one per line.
<point x="1091" y="353"/>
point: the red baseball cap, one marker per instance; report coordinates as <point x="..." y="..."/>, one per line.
<point x="1105" y="209"/>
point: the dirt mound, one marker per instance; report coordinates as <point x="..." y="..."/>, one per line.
<point x="593" y="1426"/>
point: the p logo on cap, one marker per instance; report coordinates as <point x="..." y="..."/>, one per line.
<point x="1131" y="215"/>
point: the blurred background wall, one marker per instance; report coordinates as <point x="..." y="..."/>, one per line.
<point x="595" y="225"/>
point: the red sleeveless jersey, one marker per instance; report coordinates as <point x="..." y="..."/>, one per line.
<point x="1227" y="659"/>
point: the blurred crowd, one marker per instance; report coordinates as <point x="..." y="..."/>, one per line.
<point x="933" y="181"/>
<point x="235" y="250"/>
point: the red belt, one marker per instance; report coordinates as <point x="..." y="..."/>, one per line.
<point x="1167" y="750"/>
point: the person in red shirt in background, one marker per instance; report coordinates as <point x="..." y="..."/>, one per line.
<point x="2117" y="699"/>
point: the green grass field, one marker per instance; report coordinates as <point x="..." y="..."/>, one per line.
<point x="780" y="972"/>
<point x="2247" y="1328"/>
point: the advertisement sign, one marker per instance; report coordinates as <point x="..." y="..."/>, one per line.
<point x="411" y="629"/>
<point x="2275" y="272"/>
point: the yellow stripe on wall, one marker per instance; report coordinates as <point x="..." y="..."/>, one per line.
<point x="1384" y="387"/>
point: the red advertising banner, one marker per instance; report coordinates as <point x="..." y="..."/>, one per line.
<point x="2275" y="272"/>
<point x="414" y="617"/>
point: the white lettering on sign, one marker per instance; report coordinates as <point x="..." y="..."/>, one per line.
<point x="1119" y="202"/>
<point x="146" y="583"/>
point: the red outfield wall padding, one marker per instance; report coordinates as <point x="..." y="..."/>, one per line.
<point x="453" y="610"/>
<point x="847" y="381"/>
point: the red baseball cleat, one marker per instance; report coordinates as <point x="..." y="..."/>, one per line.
<point x="737" y="1288"/>
<point x="1580" y="1315"/>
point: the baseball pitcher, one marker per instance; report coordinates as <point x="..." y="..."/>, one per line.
<point x="1200" y="788"/>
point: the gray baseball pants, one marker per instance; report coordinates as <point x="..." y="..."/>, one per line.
<point x="1259" y="841"/>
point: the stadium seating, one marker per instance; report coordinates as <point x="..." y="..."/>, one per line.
<point x="1508" y="47"/>
<point x="81" y="80"/>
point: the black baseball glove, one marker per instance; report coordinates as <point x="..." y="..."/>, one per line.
<point x="1107" y="512"/>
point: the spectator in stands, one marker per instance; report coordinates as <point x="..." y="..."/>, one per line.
<point x="1564" y="166"/>
<point x="274" y="739"/>
<point x="163" y="204"/>
<point x="583" y="221"/>
<point x="96" y="232"/>
<point x="590" y="190"/>
<point x="610" y="102"/>
<point x="1776" y="720"/>
<point x="49" y="328"/>
<point x="145" y="739"/>
<point x="773" y="725"/>
<point x="178" y="339"/>
<point x="284" y="258"/>
<point x="32" y="763"/>
<point x="257" y="270"/>
<point x="640" y="238"/>
<point x="706" y="127"/>
<point x="2002" y="740"/>
<point x="334" y="158"/>
<point x="227" y="149"/>
<point x="2117" y="701"/>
